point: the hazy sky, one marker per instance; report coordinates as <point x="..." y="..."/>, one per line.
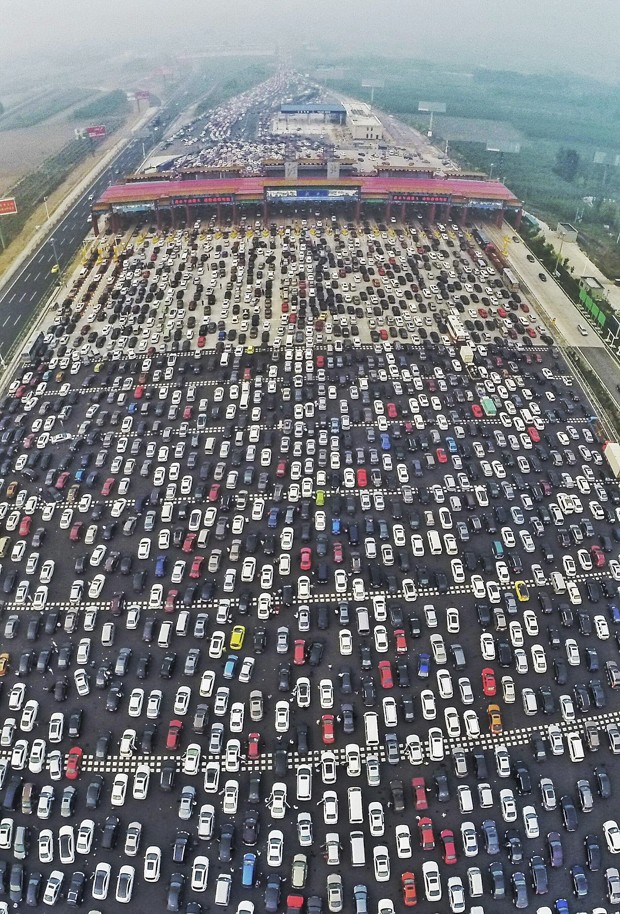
<point x="581" y="35"/>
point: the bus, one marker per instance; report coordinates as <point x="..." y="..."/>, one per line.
<point x="456" y="331"/>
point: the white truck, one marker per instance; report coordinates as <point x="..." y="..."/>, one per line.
<point x="612" y="454"/>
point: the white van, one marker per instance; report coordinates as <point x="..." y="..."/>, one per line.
<point x="474" y="880"/>
<point x="356" y="809"/>
<point x="165" y="634"/>
<point x="210" y="445"/>
<point x="222" y="889"/>
<point x="182" y="625"/>
<point x="358" y="851"/>
<point x="363" y="620"/>
<point x="371" y="728"/>
<point x="166" y="512"/>
<point x="434" y="542"/>
<point x="203" y="537"/>
<point x="557" y="582"/>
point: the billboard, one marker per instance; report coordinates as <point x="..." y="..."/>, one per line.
<point x="487" y="204"/>
<point x="421" y="198"/>
<point x="143" y="94"/>
<point x="312" y="194"/>
<point x="201" y="198"/>
<point x="8" y="206"/>
<point x="95" y="132"/>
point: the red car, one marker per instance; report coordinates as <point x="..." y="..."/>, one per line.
<point x="108" y="485"/>
<point x="62" y="481"/>
<point x="305" y="559"/>
<point x="188" y="542"/>
<point x="320" y="361"/>
<point x="194" y="571"/>
<point x="531" y="332"/>
<point x="327" y="728"/>
<point x="419" y="793"/>
<point x="299" y="653"/>
<point x="410" y="897"/>
<point x="401" y="641"/>
<point x="442" y="457"/>
<point x="74" y="763"/>
<point x="187" y="412"/>
<point x="362" y="478"/>
<point x="24" y="525"/>
<point x="174" y="734"/>
<point x="383" y="334"/>
<point x="427" y="838"/>
<point x="489" y="685"/>
<point x="483" y="312"/>
<point x="391" y="410"/>
<point x="214" y="492"/>
<point x="477" y="410"/>
<point x="502" y="312"/>
<point x="524" y="307"/>
<point x="449" y="849"/>
<point x="294" y="902"/>
<point x="385" y="674"/>
<point x="533" y="433"/>
<point x="338" y="553"/>
<point x="171" y="600"/>
<point x="598" y="556"/>
<point x="281" y="469"/>
<point x="201" y="341"/>
<point x="76" y="531"/>
<point x="139" y="392"/>
<point x="254" y="745"/>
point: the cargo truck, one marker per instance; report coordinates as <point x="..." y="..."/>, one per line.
<point x="612" y="454"/>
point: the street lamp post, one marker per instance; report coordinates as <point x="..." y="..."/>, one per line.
<point x="557" y="259"/>
<point x="47" y="212"/>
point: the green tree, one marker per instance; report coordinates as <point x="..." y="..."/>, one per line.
<point x="566" y="163"/>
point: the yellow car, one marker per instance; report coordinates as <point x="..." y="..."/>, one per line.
<point x="236" y="637"/>
<point x="522" y="592"/>
<point x="495" y="720"/>
<point x="320" y="498"/>
<point x="4" y="664"/>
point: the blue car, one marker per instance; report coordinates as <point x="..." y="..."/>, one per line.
<point x="614" y="613"/>
<point x="561" y="906"/>
<point x="424" y="665"/>
<point x="230" y="666"/>
<point x="451" y="445"/>
<point x="247" y="874"/>
<point x="272" y="520"/>
<point x="80" y="475"/>
<point x="336" y="525"/>
<point x="386" y="444"/>
<point x="160" y="566"/>
<point x="133" y="407"/>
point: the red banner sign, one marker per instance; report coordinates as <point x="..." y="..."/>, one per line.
<point x="95" y="132"/>
<point x="8" y="206"/>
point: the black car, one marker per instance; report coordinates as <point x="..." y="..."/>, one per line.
<point x="272" y="892"/>
<point x="227" y="842"/>
<point x="555" y="849"/>
<point x="180" y="846"/>
<point x="110" y="832"/>
<point x="167" y="775"/>
<point x="75" y="892"/>
<point x="603" y="782"/>
<point x="75" y="723"/>
<point x="498" y="880"/>
<point x="513" y="845"/>
<point x="93" y="792"/>
<point x="250" y="828"/>
<point x="569" y="813"/>
<point x="175" y="892"/>
<point x="592" y="846"/>
<point x="540" y="876"/>
<point x="522" y="778"/>
<point x="441" y="785"/>
<point x="114" y="696"/>
<point x="397" y="794"/>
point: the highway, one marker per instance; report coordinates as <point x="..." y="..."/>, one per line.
<point x="21" y="297"/>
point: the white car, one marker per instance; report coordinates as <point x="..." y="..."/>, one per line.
<point x="119" y="790"/>
<point x="381" y="639"/>
<point x="275" y="848"/>
<point x="330" y="807"/>
<point x="381" y="862"/>
<point x="282" y="716"/>
<point x="508" y="804"/>
<point x="403" y="842"/>
<point x="429" y="707"/>
<point x="487" y="646"/>
<point x="231" y="797"/>
<point x="530" y="821"/>
<point x="436" y="748"/>
<point x="84" y="837"/>
<point x="432" y="881"/>
<point x="413" y="749"/>
<point x="136" y="701"/>
<point x="200" y="874"/>
<point x="444" y="684"/>
<point x="141" y="780"/>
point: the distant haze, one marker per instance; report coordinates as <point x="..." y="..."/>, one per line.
<point x="532" y="35"/>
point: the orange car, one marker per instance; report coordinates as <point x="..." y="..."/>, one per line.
<point x="495" y="720"/>
<point x="4" y="663"/>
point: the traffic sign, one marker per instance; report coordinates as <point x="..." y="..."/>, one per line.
<point x="8" y="206"/>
